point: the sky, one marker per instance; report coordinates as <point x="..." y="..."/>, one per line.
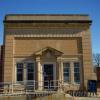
<point x="91" y="7"/>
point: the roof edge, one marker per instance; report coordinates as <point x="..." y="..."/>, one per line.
<point x="48" y="21"/>
<point x="46" y="15"/>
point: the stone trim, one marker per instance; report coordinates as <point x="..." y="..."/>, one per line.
<point x="44" y="32"/>
<point x="51" y="17"/>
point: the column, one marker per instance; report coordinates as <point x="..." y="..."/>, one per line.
<point x="72" y="72"/>
<point x="61" y="70"/>
<point x="24" y="72"/>
<point x="60" y="62"/>
<point x="39" y="74"/>
<point x="72" y="86"/>
<point x="60" y="78"/>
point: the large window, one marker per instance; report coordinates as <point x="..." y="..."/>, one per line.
<point x="30" y="71"/>
<point x="77" y="72"/>
<point x="66" y="70"/>
<point x="19" y="71"/>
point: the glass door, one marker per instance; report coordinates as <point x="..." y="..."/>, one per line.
<point x="48" y="75"/>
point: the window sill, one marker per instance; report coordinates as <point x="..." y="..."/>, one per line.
<point x="69" y="83"/>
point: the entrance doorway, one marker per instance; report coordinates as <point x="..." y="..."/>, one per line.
<point x="48" y="76"/>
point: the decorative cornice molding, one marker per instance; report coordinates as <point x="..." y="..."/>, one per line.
<point x="32" y="25"/>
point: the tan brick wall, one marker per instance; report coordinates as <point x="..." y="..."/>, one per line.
<point x="28" y="46"/>
<point x="8" y="58"/>
<point x="87" y="56"/>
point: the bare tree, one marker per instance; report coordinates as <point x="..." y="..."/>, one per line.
<point x="96" y="59"/>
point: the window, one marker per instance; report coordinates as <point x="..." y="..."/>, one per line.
<point x="66" y="70"/>
<point x="19" y="71"/>
<point x="30" y="71"/>
<point x="76" y="72"/>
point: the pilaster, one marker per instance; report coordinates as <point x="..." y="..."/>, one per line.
<point x="72" y="72"/>
<point x="24" y="71"/>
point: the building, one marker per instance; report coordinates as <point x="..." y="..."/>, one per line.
<point x="1" y="63"/>
<point x="44" y="47"/>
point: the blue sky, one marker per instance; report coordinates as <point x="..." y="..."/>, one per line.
<point x="91" y="7"/>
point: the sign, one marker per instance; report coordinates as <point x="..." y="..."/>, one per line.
<point x="92" y="86"/>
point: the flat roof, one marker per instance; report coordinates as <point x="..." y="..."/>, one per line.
<point x="47" y="17"/>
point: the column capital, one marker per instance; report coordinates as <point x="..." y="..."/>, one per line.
<point x="38" y="59"/>
<point x="59" y="59"/>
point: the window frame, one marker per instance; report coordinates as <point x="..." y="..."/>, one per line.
<point x="77" y="73"/>
<point x="33" y="71"/>
<point x="67" y="72"/>
<point x="17" y="72"/>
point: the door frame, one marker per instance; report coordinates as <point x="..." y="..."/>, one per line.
<point x="54" y="69"/>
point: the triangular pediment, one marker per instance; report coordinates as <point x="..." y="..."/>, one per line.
<point x="49" y="50"/>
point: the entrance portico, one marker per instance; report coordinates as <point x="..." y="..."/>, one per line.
<point x="47" y="67"/>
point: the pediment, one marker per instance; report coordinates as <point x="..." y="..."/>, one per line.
<point x="48" y="51"/>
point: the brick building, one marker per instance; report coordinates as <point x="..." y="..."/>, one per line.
<point x="1" y="63"/>
<point x="47" y="47"/>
